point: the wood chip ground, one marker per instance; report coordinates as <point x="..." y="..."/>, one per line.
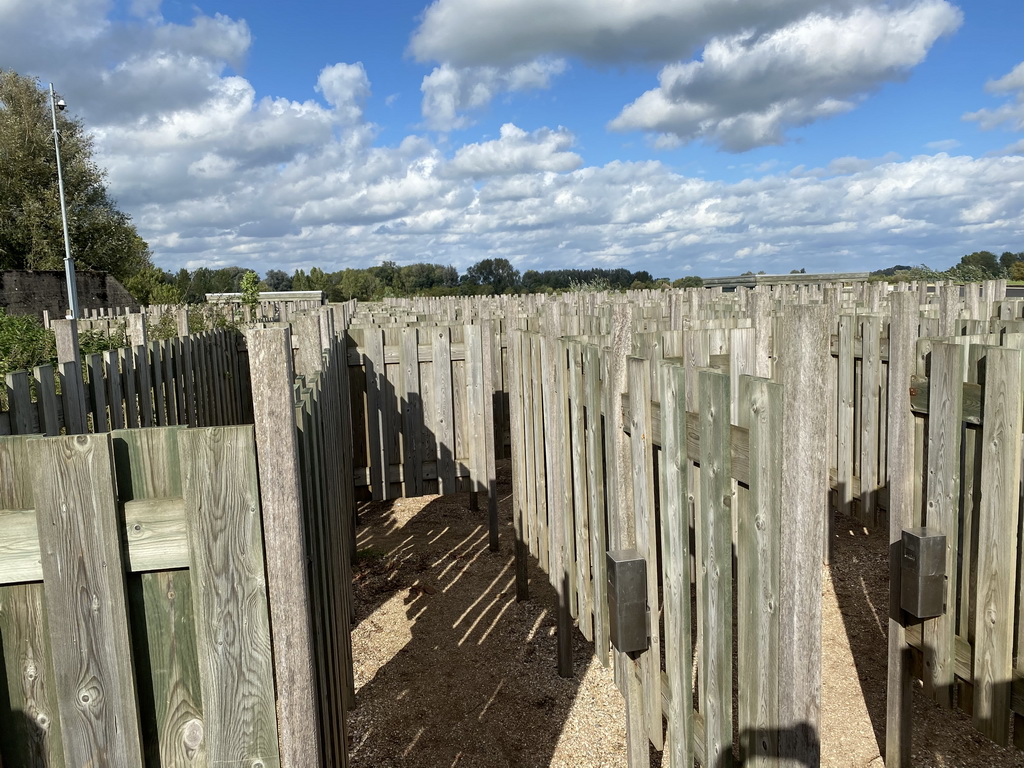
<point x="452" y="672"/>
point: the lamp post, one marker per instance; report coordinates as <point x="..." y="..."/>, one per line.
<point x="69" y="264"/>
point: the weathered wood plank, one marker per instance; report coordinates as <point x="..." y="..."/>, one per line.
<point x="942" y="508"/>
<point x="592" y="397"/>
<point x="997" y="542"/>
<point x="758" y="574"/>
<point x="802" y="358"/>
<point x="675" y="563"/>
<point x="32" y="735"/>
<point x="444" y="409"/>
<point x="715" y="659"/>
<point x="642" y="467"/>
<point x="86" y="603"/>
<point x="276" y="443"/>
<point x="228" y="584"/>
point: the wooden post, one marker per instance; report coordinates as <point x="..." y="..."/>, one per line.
<point x="902" y="341"/>
<point x="803" y="356"/>
<point x="270" y="353"/>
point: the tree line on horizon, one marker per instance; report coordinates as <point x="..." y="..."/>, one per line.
<point x="487" y="277"/>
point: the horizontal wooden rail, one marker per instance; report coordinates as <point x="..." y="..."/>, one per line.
<point x="739" y="442"/>
<point x="919" y="386"/>
<point x="154" y="531"/>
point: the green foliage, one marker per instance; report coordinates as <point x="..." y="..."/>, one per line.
<point x="24" y="344"/>
<point x="1017" y="271"/>
<point x="31" y="233"/>
<point x="151" y="286"/>
<point x="597" y="285"/>
<point x="251" y="291"/>
<point x="93" y="342"/>
<point x="690" y="281"/>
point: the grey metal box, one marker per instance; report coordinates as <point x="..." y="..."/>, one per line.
<point x="923" y="573"/>
<point x="627" y="600"/>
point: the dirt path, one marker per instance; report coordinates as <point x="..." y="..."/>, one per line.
<point x="451" y="671"/>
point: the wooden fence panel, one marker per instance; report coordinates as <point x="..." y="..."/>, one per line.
<point x="81" y="555"/>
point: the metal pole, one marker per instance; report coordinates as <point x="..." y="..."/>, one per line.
<point x="69" y="264"/>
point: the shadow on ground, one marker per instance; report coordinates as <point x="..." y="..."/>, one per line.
<point x="469" y="677"/>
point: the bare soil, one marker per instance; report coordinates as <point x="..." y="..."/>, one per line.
<point x="451" y="671"/>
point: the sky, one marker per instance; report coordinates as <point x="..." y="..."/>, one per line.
<point x="707" y="137"/>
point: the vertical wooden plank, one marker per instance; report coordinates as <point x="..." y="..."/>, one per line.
<point x="758" y="570"/>
<point x="642" y="467"/>
<point x="596" y="489"/>
<point x="80" y="547"/>
<point x="270" y="356"/>
<point x="902" y="340"/>
<point x="581" y="497"/>
<point x="32" y="737"/>
<point x="236" y="663"/>
<point x="943" y="508"/>
<point x="147" y="467"/>
<point x="997" y="541"/>
<point x="157" y="377"/>
<point x="114" y="394"/>
<point x="844" y="396"/>
<point x="802" y="357"/>
<point x="412" y="411"/>
<point x="488" y="444"/>
<point x="49" y="402"/>
<point x="552" y="369"/>
<point x="539" y="397"/>
<point x="97" y="393"/>
<point x="675" y="549"/>
<point x="441" y="348"/>
<point x="19" y="401"/>
<point x="715" y="662"/>
<point x="142" y="368"/>
<point x="871" y="384"/>
<point x="170" y="380"/>
<point x="373" y="365"/>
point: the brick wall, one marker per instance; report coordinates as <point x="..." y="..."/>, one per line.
<point x="29" y="292"/>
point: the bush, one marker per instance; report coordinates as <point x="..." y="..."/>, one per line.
<point x="24" y="343"/>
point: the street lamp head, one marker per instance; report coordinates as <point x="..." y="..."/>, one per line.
<point x="61" y="104"/>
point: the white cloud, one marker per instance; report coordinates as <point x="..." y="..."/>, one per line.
<point x="506" y="32"/>
<point x="346" y="88"/>
<point x="747" y="91"/>
<point x="449" y="91"/>
<point x="1010" y="114"/>
<point x="516" y="152"/>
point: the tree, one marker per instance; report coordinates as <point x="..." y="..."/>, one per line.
<point x="31" y="234"/>
<point x="277" y="280"/>
<point x="251" y="291"/>
<point x="984" y="263"/>
<point x="499" y="274"/>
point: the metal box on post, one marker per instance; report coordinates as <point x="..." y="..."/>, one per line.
<point x="923" y="573"/>
<point x="627" y="600"/>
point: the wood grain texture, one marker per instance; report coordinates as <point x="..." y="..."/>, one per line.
<point x="942" y="508"/>
<point x="758" y="574"/>
<point x="715" y="658"/>
<point x="85" y="599"/>
<point x="997" y="542"/>
<point x="283" y="524"/>
<point x="903" y="329"/>
<point x="592" y="398"/>
<point x="802" y="357"/>
<point x="675" y="564"/>
<point x="645" y="527"/>
<point x="236" y="662"/>
<point x="148" y="474"/>
<point x="30" y="726"/>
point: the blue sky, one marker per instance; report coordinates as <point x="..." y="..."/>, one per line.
<point x="683" y="137"/>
